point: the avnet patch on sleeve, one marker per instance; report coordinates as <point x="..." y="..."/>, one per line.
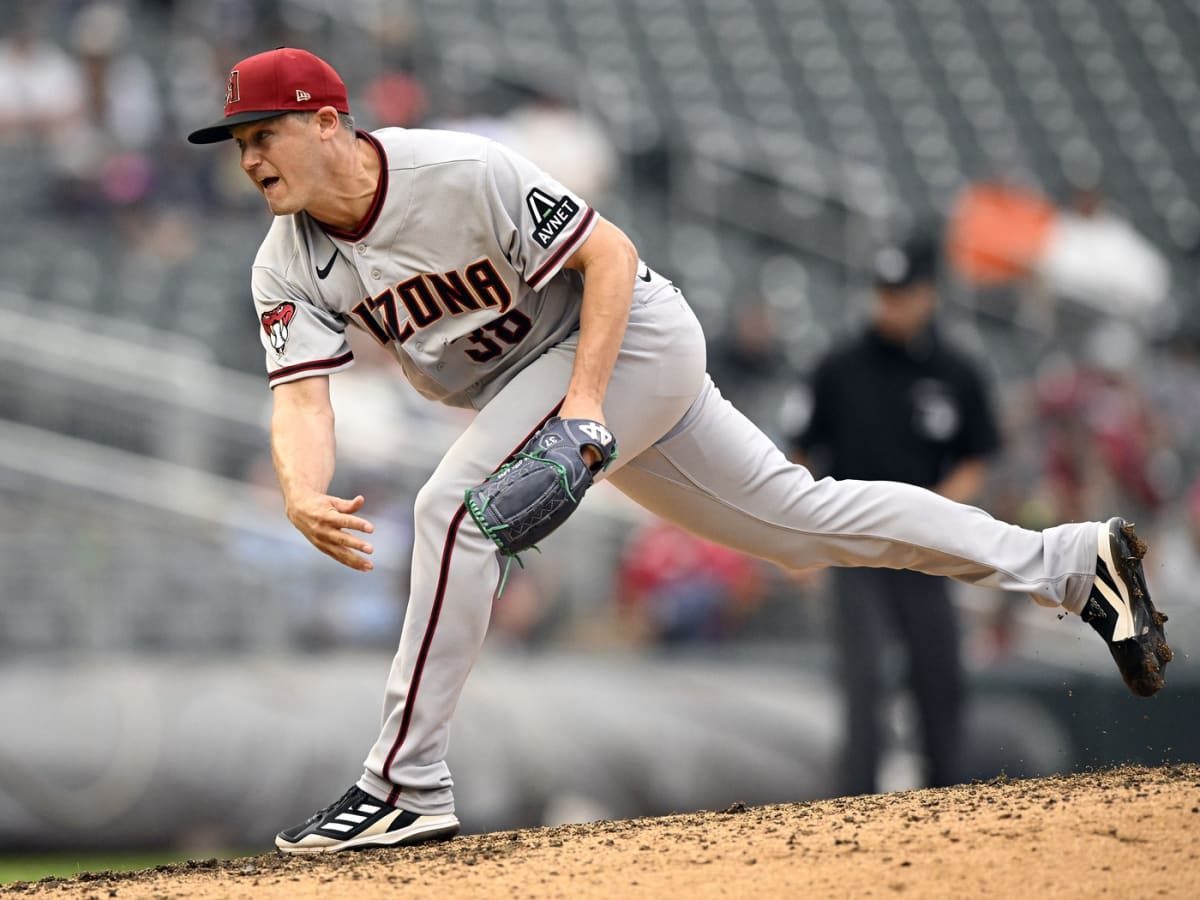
<point x="550" y="215"/>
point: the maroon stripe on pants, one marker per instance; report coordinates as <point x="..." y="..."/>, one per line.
<point x="434" y="614"/>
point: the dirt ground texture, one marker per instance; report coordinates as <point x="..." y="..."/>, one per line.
<point x="1130" y="832"/>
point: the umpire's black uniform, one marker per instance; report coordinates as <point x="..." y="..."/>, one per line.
<point x="913" y="410"/>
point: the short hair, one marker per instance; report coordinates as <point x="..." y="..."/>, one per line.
<point x="345" y="120"/>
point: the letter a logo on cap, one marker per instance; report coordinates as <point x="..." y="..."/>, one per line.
<point x="232" y="94"/>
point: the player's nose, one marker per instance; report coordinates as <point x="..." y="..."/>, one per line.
<point x="250" y="158"/>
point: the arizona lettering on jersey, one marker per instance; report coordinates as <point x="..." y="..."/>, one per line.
<point x="424" y="299"/>
<point x="457" y="269"/>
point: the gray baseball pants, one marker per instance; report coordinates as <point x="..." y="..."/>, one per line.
<point x="688" y="456"/>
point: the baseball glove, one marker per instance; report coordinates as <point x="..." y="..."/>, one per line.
<point x="535" y="492"/>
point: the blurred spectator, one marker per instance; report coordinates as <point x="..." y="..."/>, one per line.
<point x="122" y="93"/>
<point x="1097" y="258"/>
<point x="997" y="231"/>
<point x="896" y="403"/>
<point x="104" y="160"/>
<point x="675" y="588"/>
<point x="1099" y="431"/>
<point x="43" y="96"/>
<point x="1006" y="234"/>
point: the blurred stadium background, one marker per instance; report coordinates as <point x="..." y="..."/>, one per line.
<point x="178" y="669"/>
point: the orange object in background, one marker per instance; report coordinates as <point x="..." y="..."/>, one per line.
<point x="997" y="232"/>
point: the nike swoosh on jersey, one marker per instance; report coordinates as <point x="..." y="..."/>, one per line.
<point x="322" y="273"/>
<point x="646" y="277"/>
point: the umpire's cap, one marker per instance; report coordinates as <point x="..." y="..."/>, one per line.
<point x="271" y="84"/>
<point x="911" y="261"/>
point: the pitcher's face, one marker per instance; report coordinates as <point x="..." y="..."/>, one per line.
<point x="281" y="156"/>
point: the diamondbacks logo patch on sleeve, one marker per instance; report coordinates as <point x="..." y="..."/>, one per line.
<point x="550" y="216"/>
<point x="276" y="322"/>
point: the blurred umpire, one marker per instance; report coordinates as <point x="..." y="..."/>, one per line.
<point x="896" y="403"/>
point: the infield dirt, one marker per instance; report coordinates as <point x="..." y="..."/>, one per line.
<point x="1131" y="832"/>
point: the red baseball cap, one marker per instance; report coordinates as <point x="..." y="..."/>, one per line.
<point x="271" y="84"/>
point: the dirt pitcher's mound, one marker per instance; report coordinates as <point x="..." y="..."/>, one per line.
<point x="1129" y="832"/>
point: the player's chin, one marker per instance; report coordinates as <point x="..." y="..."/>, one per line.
<point x="278" y="200"/>
<point x="281" y="208"/>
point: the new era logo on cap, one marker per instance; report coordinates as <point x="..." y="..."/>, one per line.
<point x="271" y="84"/>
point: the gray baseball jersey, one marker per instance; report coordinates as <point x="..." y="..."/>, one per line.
<point x="458" y="269"/>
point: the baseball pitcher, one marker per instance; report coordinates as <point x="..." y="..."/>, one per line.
<point x="498" y="290"/>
